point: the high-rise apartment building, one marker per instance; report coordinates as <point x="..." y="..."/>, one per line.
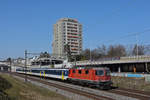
<point x="67" y="31"/>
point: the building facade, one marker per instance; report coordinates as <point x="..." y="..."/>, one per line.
<point x="67" y="32"/>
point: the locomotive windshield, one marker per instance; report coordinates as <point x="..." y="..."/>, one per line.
<point x="108" y="72"/>
<point x="99" y="72"/>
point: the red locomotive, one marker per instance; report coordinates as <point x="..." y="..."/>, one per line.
<point x="99" y="77"/>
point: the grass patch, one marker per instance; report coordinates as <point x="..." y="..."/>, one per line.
<point x="4" y="84"/>
<point x="21" y="90"/>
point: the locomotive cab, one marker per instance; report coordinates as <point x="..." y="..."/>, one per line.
<point x="102" y="75"/>
<point x="103" y="78"/>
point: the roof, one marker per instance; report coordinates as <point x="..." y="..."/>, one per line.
<point x="50" y="69"/>
<point x="96" y="68"/>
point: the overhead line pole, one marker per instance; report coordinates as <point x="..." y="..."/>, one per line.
<point x="26" y="65"/>
<point x="137" y="50"/>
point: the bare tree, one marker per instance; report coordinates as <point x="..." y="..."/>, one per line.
<point x="120" y="50"/>
<point x="67" y="49"/>
<point x="95" y="54"/>
<point x="68" y="52"/>
<point x="111" y="51"/>
<point x="129" y="49"/>
<point x="147" y="49"/>
<point x="116" y="51"/>
<point x="8" y="59"/>
<point x="86" y="54"/>
<point x="138" y="50"/>
<point x="102" y="50"/>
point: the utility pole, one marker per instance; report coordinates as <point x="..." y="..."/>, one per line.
<point x="25" y="65"/>
<point x="90" y="55"/>
<point x="10" y="64"/>
<point x="137" y="48"/>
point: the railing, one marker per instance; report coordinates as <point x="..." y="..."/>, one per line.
<point x="116" y="60"/>
<point x="143" y="57"/>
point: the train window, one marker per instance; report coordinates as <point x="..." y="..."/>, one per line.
<point x="99" y="72"/>
<point x="55" y="72"/>
<point x="37" y="71"/>
<point x="60" y="72"/>
<point x="79" y="71"/>
<point x="52" y="72"/>
<point x="46" y="71"/>
<point x="73" y="71"/>
<point x="66" y="73"/>
<point x="87" y="71"/>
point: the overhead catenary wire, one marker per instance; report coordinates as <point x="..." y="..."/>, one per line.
<point x="133" y="34"/>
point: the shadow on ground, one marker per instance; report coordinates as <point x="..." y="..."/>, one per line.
<point x="4" y="84"/>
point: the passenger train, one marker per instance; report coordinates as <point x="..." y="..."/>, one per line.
<point x="98" y="77"/>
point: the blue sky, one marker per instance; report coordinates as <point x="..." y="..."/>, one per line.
<point x="28" y="24"/>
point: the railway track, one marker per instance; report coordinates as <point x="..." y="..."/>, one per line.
<point x="69" y="89"/>
<point x="138" y="95"/>
<point x="132" y="93"/>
